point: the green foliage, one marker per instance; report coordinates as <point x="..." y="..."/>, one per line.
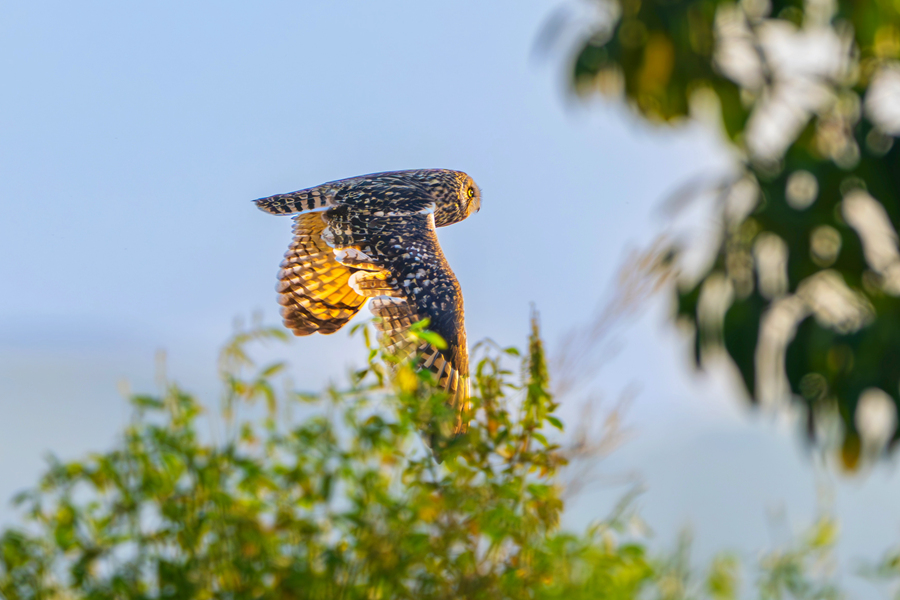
<point x="887" y="570"/>
<point x="802" y="570"/>
<point x="344" y="502"/>
<point x="787" y="574"/>
<point x="666" y="58"/>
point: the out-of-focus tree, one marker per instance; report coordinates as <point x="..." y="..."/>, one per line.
<point x="804" y="291"/>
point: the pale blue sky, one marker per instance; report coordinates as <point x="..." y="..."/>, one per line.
<point x="133" y="137"/>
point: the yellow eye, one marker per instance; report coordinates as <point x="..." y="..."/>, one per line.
<point x="471" y="192"/>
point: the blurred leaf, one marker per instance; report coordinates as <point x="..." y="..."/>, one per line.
<point x="669" y="58"/>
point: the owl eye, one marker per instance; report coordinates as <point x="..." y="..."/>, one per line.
<point x="470" y="192"/>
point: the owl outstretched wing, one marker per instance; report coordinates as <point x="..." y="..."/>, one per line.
<point x="313" y="286"/>
<point x="396" y="316"/>
<point x="398" y="262"/>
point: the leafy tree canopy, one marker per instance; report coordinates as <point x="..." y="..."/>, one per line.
<point x="804" y="292"/>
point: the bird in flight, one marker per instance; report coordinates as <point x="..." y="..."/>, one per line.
<point x="373" y="236"/>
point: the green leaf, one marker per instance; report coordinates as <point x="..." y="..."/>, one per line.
<point x="432" y="338"/>
<point x="150" y="402"/>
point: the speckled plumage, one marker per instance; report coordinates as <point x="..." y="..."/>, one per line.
<point x="374" y="236"/>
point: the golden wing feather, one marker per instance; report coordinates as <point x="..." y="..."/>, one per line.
<point x="313" y="287"/>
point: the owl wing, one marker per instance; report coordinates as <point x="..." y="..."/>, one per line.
<point x="380" y="192"/>
<point x="396" y="315"/>
<point x="313" y="287"/>
<point x="397" y="261"/>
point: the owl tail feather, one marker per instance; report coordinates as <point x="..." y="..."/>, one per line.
<point x="295" y="202"/>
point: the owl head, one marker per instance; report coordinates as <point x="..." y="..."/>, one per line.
<point x="456" y="195"/>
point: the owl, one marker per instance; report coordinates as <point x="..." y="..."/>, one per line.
<point x="373" y="237"/>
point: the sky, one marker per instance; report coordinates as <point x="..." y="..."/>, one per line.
<point x="133" y="137"/>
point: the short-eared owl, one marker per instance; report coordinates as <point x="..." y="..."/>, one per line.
<point x="374" y="236"/>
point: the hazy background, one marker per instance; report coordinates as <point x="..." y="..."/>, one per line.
<point x="133" y="138"/>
